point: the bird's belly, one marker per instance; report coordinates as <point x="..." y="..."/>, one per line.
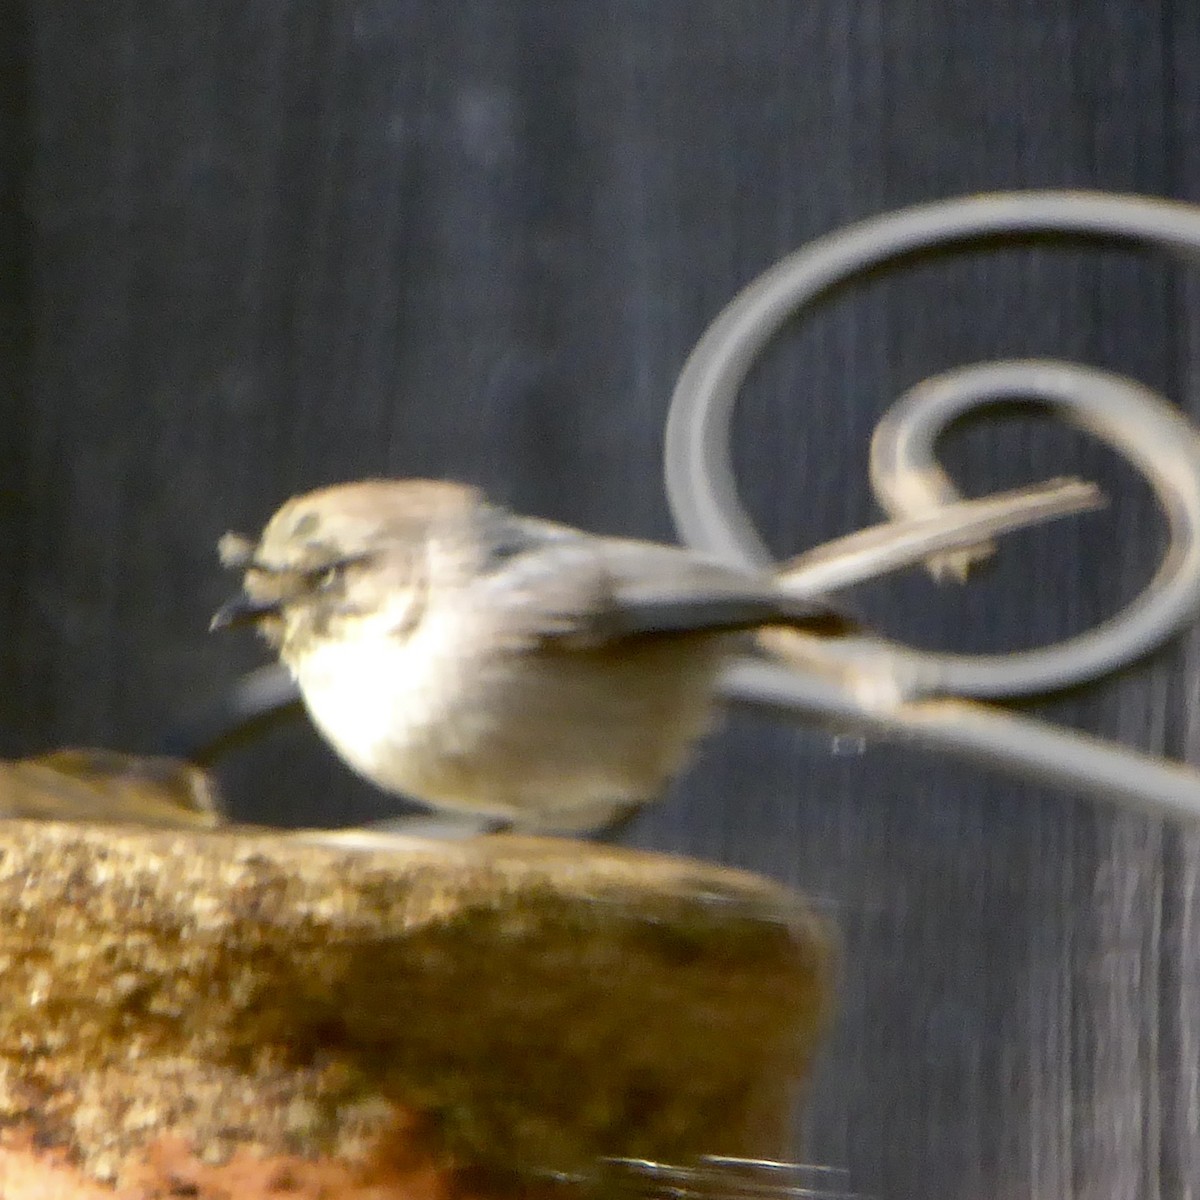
<point x="387" y="705"/>
<point x="560" y="740"/>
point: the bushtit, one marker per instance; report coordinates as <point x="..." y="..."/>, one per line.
<point x="488" y="663"/>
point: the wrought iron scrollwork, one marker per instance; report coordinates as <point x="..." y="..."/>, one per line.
<point x="925" y="696"/>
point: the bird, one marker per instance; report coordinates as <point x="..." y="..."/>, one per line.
<point x="507" y="667"/>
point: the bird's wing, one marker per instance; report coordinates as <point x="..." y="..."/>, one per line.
<point x="571" y="586"/>
<point x="667" y="589"/>
<point x="610" y="588"/>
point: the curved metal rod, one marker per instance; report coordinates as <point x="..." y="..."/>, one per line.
<point x="980" y="733"/>
<point x="222" y="721"/>
<point x="1160" y="443"/>
<point x="699" y="472"/>
<point x="880" y="693"/>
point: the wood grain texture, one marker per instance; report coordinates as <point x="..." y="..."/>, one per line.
<point x="261" y="246"/>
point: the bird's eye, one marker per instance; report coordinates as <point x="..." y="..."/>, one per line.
<point x="330" y="577"/>
<point x="332" y="574"/>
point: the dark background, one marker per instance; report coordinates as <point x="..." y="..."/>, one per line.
<point x="253" y="247"/>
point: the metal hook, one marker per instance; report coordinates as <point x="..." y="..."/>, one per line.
<point x="882" y="687"/>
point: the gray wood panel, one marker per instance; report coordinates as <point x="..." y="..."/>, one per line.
<point x="249" y="248"/>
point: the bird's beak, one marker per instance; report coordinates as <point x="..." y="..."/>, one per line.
<point x="243" y="610"/>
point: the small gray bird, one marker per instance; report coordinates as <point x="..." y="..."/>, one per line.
<point x="500" y="665"/>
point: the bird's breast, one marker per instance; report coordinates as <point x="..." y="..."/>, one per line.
<point x="393" y="706"/>
<point x="454" y="717"/>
